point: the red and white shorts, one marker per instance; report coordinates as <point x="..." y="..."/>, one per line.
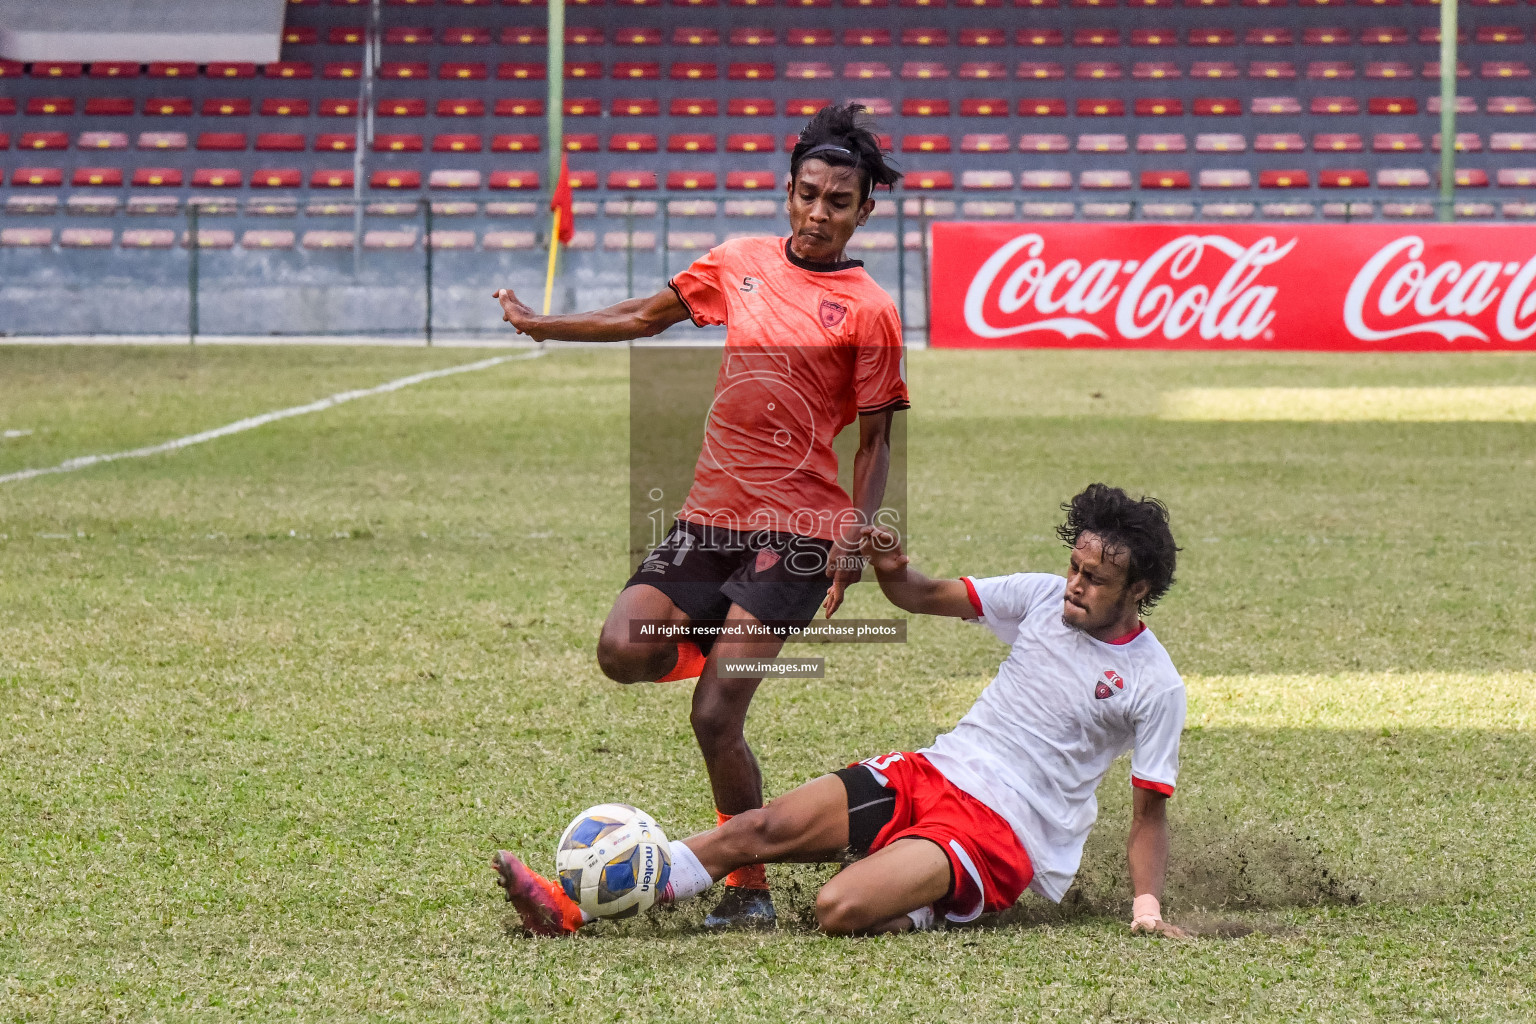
<point x="988" y="865"/>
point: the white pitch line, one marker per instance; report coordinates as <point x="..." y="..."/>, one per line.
<point x="252" y="422"/>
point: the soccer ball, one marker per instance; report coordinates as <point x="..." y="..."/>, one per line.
<point x="613" y="860"/>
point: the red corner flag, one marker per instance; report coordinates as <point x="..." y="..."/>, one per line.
<point x="561" y="203"/>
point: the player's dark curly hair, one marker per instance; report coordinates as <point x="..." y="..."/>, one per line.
<point x="852" y="134"/>
<point x="1139" y="528"/>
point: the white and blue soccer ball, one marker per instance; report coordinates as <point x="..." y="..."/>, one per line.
<point x="613" y="860"/>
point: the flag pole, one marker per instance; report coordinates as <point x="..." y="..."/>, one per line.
<point x="554" y="249"/>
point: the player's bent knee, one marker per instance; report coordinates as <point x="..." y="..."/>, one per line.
<point x="838" y="912"/>
<point x="623" y="662"/>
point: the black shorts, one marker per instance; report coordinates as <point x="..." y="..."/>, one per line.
<point x="781" y="578"/>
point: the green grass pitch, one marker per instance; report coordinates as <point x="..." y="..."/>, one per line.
<point x="269" y="703"/>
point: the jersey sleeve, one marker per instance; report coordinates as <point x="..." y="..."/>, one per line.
<point x="880" y="380"/>
<point x="700" y="288"/>
<point x="1155" y="758"/>
<point x="1003" y="602"/>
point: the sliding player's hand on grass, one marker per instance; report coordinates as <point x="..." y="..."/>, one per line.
<point x="1167" y="929"/>
<point x="518" y="313"/>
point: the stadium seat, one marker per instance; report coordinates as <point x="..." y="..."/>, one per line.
<point x="514" y="180"/>
<point x="805" y="107"/>
<point x="1396" y="142"/>
<point x="976" y="181"/>
<point x="162" y="140"/>
<point x="1500" y="34"/>
<point x="1269" y="37"/>
<point x="1337" y="142"/>
<point x="807" y="70"/>
<point x="514" y="71"/>
<point x="752" y="180"/>
<point x="925" y="144"/>
<point x="468" y="107"/>
<point x="290" y="69"/>
<point x="691" y="142"/>
<point x="1392" y="105"/>
<point x="217" y="177"/>
<point x="1214" y="69"/>
<point x="46" y="105"/>
<point x="148" y="238"/>
<point x="582" y="106"/>
<point x="924" y="37"/>
<point x="878" y="106"/>
<point x="923" y="71"/>
<point x="746" y="71"/>
<point x="695" y="37"/>
<point x="417" y="35"/>
<point x="632" y="142"/>
<point x="1464" y="105"/>
<point x="1326" y="36"/>
<point x="749" y="143"/>
<point x="1466" y="142"/>
<point x="105" y="177"/>
<point x="1105" y="180"/>
<point x="345" y="35"/>
<point x="12" y="238"/>
<point x="283" y="142"/>
<point x="413" y="107"/>
<point x="693" y="71"/>
<point x="1218" y="106"/>
<point x="929" y="180"/>
<point x="698" y="106"/>
<point x="1154" y="37"/>
<point x="1096" y="71"/>
<point x="1159" y="106"/>
<point x="1148" y="70"/>
<point x="1096" y="37"/>
<point x="1164" y="180"/>
<point x="277" y="177"/>
<point x="463" y="71"/>
<point x="1284" y="179"/>
<point x="232" y="106"/>
<point x="300" y="35"/>
<point x="400" y="143"/>
<point x="992" y="106"/>
<point x="331" y="179"/>
<point x="168" y="106"/>
<point x="296" y="107"/>
<point x="1212" y="37"/>
<point x="1275" y="105"/>
<point x="43" y="140"/>
<point x="866" y="69"/>
<point x="1406" y="177"/>
<point x="1511" y="105"/>
<point x="335" y="142"/>
<point x="1497" y="69"/>
<point x="973" y="70"/>
<point x="444" y="178"/>
<point x="456" y="142"/>
<point x="1161" y="143"/>
<point x="123" y="69"/>
<point x="101" y="140"/>
<point x="165" y="177"/>
<point x="859" y="37"/>
<point x="931" y="107"/>
<point x="1040" y="179"/>
<point x="631" y="180"/>
<point x="809" y="37"/>
<point x="516" y="143"/>
<point x="1040" y="70"/>
<point x="985" y="143"/>
<point x="581" y="142"/>
<point x="1279" y="142"/>
<point x="57" y="69"/>
<point x="1039" y="37"/>
<point x="397" y="239"/>
<point x="1343" y="178"/>
<point x="1032" y="143"/>
<point x="395" y="179"/>
<point x="1102" y="143"/>
<point x="1107" y="106"/>
<point x="634" y="106"/>
<point x="1388" y="69"/>
<point x="1343" y="105"/>
<point x="681" y="180"/>
<point x="1471" y="177"/>
<point x="346" y="69"/>
<point x="1234" y="178"/>
<point x="1271" y="69"/>
<point x="1508" y="142"/>
<point x="85" y="238"/>
<point x="750" y="107"/>
<point x="1516" y="177"/>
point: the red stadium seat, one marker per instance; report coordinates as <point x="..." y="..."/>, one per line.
<point x="749" y="143"/>
<point x="745" y="72"/>
<point x="408" y="35"/>
<point x="1392" y="105"/>
<point x="290" y="69"/>
<point x="583" y="106"/>
<point x="866" y="69"/>
<point x="858" y="37"/>
<point x="751" y="180"/>
<point x="396" y="70"/>
<point x="519" y="107"/>
<point x="983" y="37"/>
<point x="628" y="106"/>
<point x="1337" y="142"/>
<point x="404" y="143"/>
<point x="15" y="69"/>
<point x="119" y="69"/>
<point x="985" y="143"/>
<point x="231" y="69"/>
<point x="277" y="177"/>
<point x="924" y="37"/>
<point x="461" y="108"/>
<point x="1278" y="142"/>
<point x="217" y="177"/>
<point x="1212" y="37"/>
<point x="300" y="35"/>
<point x="917" y="107"/>
<point x="581" y="143"/>
<point x="1470" y="177"/>
<point x="510" y="71"/>
<point x="1218" y="106"/>
<point x="172" y="69"/>
<point x="524" y="143"/>
<point x="691" y="142"/>
<point x="639" y="71"/>
<point x="1385" y="35"/>
<point x="7" y="105"/>
<point x="632" y="142"/>
<point x="41" y="105"/>
<point x="1284" y="179"/>
<point x="345" y="35"/>
<point x="467" y="36"/>
<point x="1154" y="70"/>
<point x="1039" y="37"/>
<point x="1214" y="69"/>
<point x="280" y="142"/>
<point x="990" y="106"/>
<point x="809" y="37"/>
<point x="395" y="179"/>
<point x="1154" y="37"/>
<point x="1097" y="70"/>
<point x="342" y="69"/>
<point x="622" y="180"/>
<point x="750" y="107"/>
<point x="1325" y="36"/>
<point x="1335" y="105"/>
<point x="925" y="144"/>
<point x="331" y="179"/>
<point x="97" y="176"/>
<point x="1107" y="106"/>
<point x="1331" y="69"/>
<point x="1388" y="69"/>
<point x="455" y="143"/>
<point x="1271" y="69"/>
<point x="1043" y="106"/>
<point x="630" y="37"/>
<point x="680" y="180"/>
<point x="1159" y="106"/>
<point x="695" y="106"/>
<point x="222" y="141"/>
<point x="805" y="107"/>
<point x="462" y="71"/>
<point x="515" y="180"/>
<point x="1269" y="37"/>
<point x="693" y="71"/>
<point x="335" y="142"/>
<point x="981" y="70"/>
<point x="151" y="177"/>
<point x="403" y="108"/>
<point x="57" y="69"/>
<point x="695" y="37"/>
<point x="536" y="35"/>
<point x="583" y="35"/>
<point x="108" y="106"/>
<point x="1343" y="178"/>
<point x="168" y="106"/>
<point x="929" y="180"/>
<point x="922" y="70"/>
<point x="1096" y="37"/>
<point x="234" y="106"/>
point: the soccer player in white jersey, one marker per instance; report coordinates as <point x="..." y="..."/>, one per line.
<point x="1005" y="800"/>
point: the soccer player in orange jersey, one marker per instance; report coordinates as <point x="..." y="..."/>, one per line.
<point x="766" y="535"/>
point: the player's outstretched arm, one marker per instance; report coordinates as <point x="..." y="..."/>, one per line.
<point x="907" y="588"/>
<point x="1147" y="852"/>
<point x="623" y="321"/>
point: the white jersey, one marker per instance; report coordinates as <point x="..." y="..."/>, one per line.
<point x="1040" y="738"/>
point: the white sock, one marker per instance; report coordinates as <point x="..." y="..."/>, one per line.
<point x="689" y="878"/>
<point x="922" y="918"/>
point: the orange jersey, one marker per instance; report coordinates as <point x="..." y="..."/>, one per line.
<point x="808" y="348"/>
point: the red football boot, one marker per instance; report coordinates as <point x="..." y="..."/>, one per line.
<point x="542" y="904"/>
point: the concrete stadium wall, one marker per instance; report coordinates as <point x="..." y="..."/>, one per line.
<point x="141" y="30"/>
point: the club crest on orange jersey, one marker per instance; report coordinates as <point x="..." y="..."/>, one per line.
<point x="832" y="313"/>
<point x="1111" y="678"/>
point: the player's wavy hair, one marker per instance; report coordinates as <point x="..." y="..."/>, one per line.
<point x="1139" y="528"/>
<point x="844" y="136"/>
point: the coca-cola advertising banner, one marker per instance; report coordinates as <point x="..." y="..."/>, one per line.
<point x="1345" y="287"/>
